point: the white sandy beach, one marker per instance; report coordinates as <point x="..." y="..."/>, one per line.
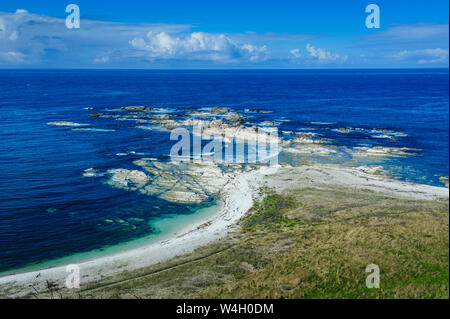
<point x="237" y="197"/>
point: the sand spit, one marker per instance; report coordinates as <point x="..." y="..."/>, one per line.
<point x="359" y="178"/>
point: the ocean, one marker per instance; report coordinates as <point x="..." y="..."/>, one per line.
<point x="50" y="213"/>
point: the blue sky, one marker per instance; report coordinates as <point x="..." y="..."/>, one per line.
<point x="223" y="34"/>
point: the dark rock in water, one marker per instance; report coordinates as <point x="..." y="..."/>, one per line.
<point x="136" y="108"/>
<point x="219" y="110"/>
<point x="260" y="111"/>
<point x="96" y="115"/>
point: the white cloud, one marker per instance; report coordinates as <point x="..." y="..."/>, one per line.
<point x="316" y="56"/>
<point x="13" y="36"/>
<point x="322" y="54"/>
<point x="198" y="46"/>
<point x="102" y="60"/>
<point x="426" y="56"/>
<point x="296" y="53"/>
<point x="12" y="57"/>
<point x="39" y="40"/>
<point x="44" y="40"/>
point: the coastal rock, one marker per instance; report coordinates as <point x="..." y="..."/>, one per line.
<point x="218" y="127"/>
<point x="185" y="182"/>
<point x="271" y="123"/>
<point x="89" y="172"/>
<point x="162" y="117"/>
<point x="304" y="134"/>
<point x="168" y="124"/>
<point x="373" y="170"/>
<point x="143" y="121"/>
<point x="65" y="123"/>
<point x="444" y="180"/>
<point x="219" y="110"/>
<point x="382" y="151"/>
<point x="259" y="111"/>
<point x="310" y="149"/>
<point x="126" y="179"/>
<point x="136" y="108"/>
<point x="234" y="117"/>
<point x="305" y="139"/>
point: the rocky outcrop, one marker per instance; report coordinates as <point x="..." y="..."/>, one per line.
<point x="65" y="123"/>
<point x="162" y="117"/>
<point x="185" y="182"/>
<point x="219" y="110"/>
<point x="444" y="180"/>
<point x="234" y="117"/>
<point x="126" y="179"/>
<point x="259" y="111"/>
<point x="382" y="151"/>
<point x="271" y="123"/>
<point x="136" y="108"/>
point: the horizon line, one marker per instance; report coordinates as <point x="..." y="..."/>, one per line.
<point x="228" y="69"/>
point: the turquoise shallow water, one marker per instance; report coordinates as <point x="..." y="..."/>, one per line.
<point x="50" y="213"/>
<point x="165" y="227"/>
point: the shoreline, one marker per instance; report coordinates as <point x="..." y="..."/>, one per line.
<point x="165" y="225"/>
<point x="237" y="198"/>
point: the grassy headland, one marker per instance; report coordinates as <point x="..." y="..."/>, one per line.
<point x="306" y="243"/>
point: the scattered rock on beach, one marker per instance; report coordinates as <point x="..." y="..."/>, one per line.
<point x="373" y="170"/>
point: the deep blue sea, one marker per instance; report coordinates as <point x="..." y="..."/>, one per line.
<point x="48" y="210"/>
